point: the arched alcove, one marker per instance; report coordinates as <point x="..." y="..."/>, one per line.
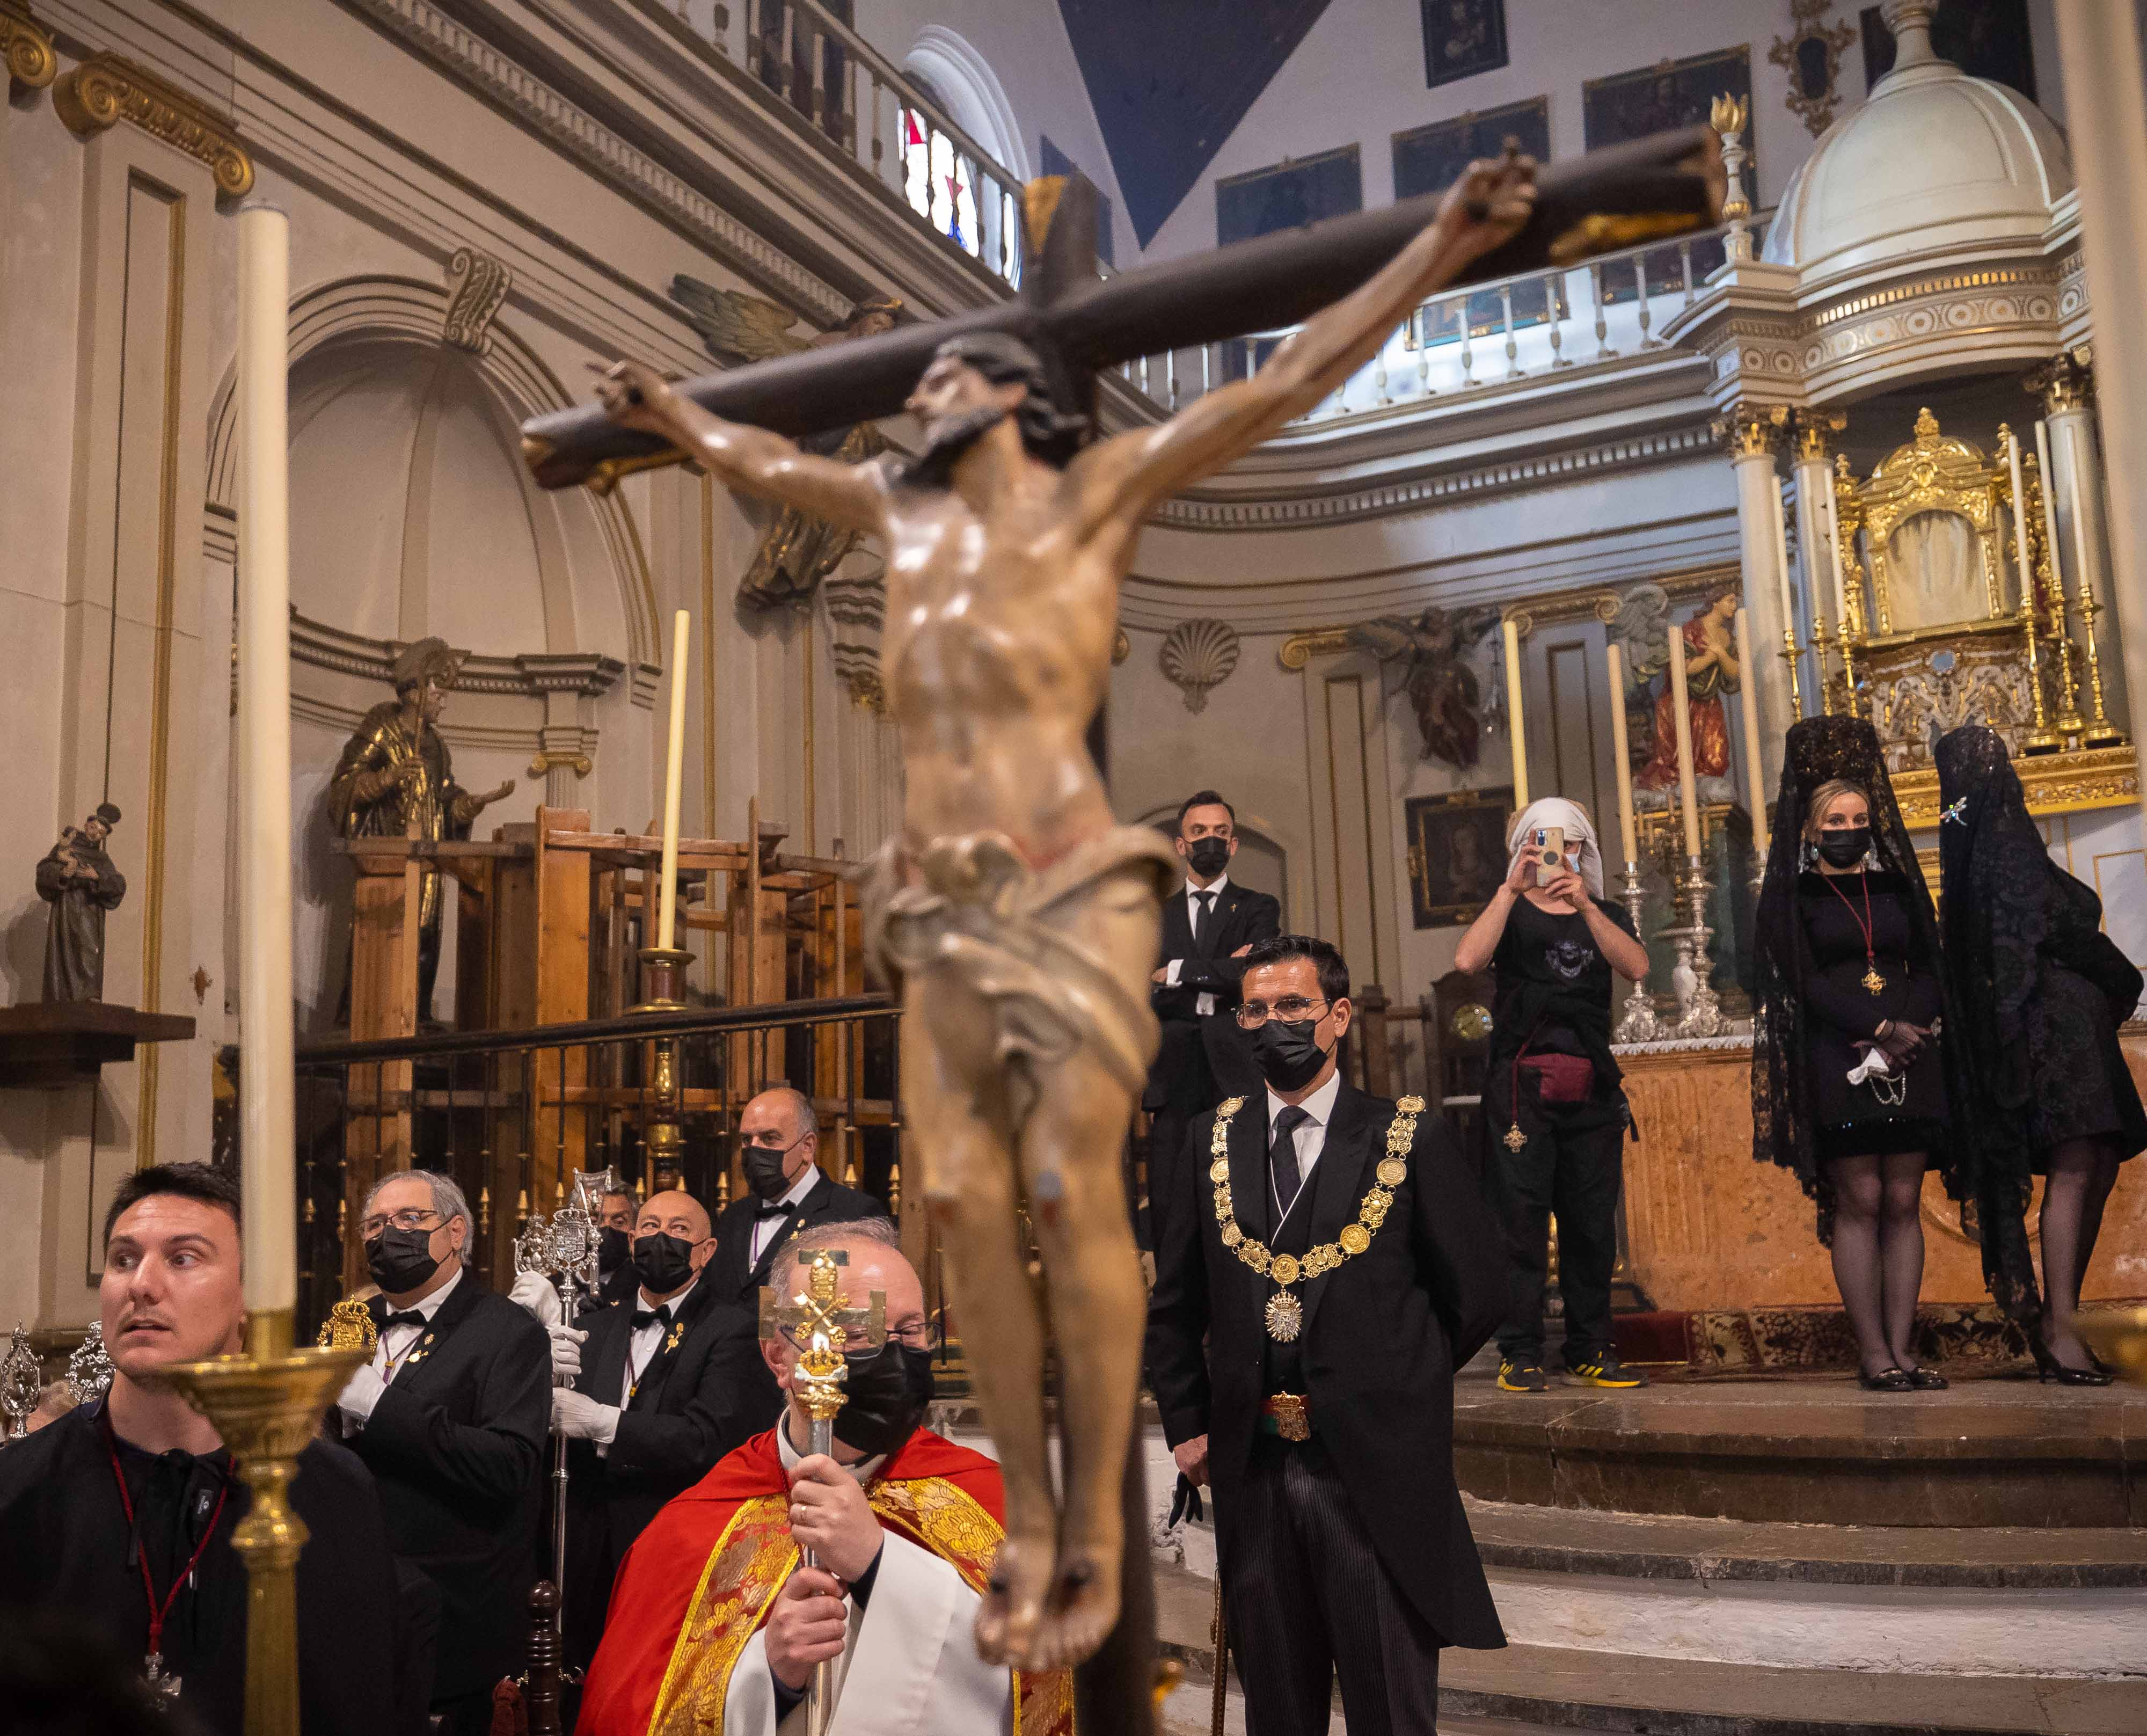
<point x="963" y="80"/>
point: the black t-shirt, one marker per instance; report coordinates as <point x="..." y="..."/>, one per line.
<point x="1554" y="954"/>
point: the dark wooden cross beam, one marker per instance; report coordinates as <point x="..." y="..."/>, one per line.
<point x="1670" y="184"/>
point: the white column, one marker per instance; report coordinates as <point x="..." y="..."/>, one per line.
<point x="1758" y="503"/>
<point x="2067" y="387"/>
<point x="1815" y="478"/>
<point x="2106" y="105"/>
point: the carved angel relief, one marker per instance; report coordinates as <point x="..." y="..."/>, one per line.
<point x="1433" y="652"/>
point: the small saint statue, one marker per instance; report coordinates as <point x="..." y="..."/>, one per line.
<point x="78" y="879"/>
<point x="395" y="780"/>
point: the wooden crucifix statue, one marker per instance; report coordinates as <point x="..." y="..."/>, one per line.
<point x="1017" y="917"/>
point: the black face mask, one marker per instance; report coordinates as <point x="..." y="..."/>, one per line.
<point x="400" y="1259"/>
<point x="1287" y="1053"/>
<point x="1845" y="846"/>
<point x="1208" y="856"/>
<point x="615" y="1248"/>
<point x="763" y="1170"/>
<point x="885" y="1398"/>
<point x="663" y="1262"/>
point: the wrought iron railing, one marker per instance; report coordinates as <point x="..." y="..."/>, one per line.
<point x="1537" y="324"/>
<point x="512" y="1115"/>
<point x="857" y="103"/>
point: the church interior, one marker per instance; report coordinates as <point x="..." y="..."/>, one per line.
<point x="589" y="781"/>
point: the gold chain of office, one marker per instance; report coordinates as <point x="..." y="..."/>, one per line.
<point x="1285" y="1312"/>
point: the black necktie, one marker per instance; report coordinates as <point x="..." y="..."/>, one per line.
<point x="763" y="1212"/>
<point x="1282" y="1155"/>
<point x="408" y="1317"/>
<point x="650" y="1317"/>
<point x="1206" y="901"/>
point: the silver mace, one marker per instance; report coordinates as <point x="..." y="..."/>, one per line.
<point x="820" y="1322"/>
<point x="563" y="1248"/>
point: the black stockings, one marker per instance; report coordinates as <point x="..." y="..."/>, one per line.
<point x="1879" y="1252"/>
<point x="2082" y="1172"/>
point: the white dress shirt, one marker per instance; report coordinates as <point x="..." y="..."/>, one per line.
<point x="1311" y="1138"/>
<point x="642" y="1346"/>
<point x="389" y="1354"/>
<point x="1196" y="924"/>
<point x="764" y="1229"/>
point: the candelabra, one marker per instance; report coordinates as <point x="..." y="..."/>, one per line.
<point x="1791" y="651"/>
<point x="1638" y="1023"/>
<point x="1699" y="1012"/>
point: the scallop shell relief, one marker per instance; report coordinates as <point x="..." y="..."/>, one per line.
<point x="1198" y="655"/>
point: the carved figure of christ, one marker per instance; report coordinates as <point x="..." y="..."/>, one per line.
<point x="1005" y="549"/>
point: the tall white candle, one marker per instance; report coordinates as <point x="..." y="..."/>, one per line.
<point x="2019" y="519"/>
<point x="1514" y="715"/>
<point x="1747" y="706"/>
<point x="268" y="1165"/>
<point x="2050" y="513"/>
<point x="1788" y="589"/>
<point x="2083" y="571"/>
<point x="1621" y="754"/>
<point x="1832" y="520"/>
<point x="667" y="896"/>
<point x="1688" y="794"/>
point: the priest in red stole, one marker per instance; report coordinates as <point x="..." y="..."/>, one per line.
<point x="715" y="1626"/>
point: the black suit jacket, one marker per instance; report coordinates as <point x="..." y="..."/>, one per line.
<point x="704" y="1391"/>
<point x="1383" y="1335"/>
<point x="457" y="1445"/>
<point x="737" y="1277"/>
<point x="1203" y="1059"/>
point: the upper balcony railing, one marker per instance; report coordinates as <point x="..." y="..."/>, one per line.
<point x="849" y="94"/>
<point x="1473" y="339"/>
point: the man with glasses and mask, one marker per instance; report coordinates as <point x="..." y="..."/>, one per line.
<point x="451" y="1417"/>
<point x="1207" y="927"/>
<point x="715" y="1620"/>
<point x="1330" y="1266"/>
<point x="664" y="1385"/>
<point x="779" y="1141"/>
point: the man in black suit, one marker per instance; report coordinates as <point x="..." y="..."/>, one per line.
<point x="450" y="1416"/>
<point x="1206" y="928"/>
<point x="664" y="1385"/>
<point x="785" y="1192"/>
<point x="1324" y="1276"/>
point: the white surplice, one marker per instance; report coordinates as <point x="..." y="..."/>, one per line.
<point x="911" y="1669"/>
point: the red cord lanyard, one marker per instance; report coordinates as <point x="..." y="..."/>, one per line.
<point x="1872" y="980"/>
<point x="159" y="1611"/>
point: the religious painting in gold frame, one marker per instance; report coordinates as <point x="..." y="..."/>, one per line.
<point x="1457" y="853"/>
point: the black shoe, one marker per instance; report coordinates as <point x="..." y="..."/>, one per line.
<point x="1522" y="1374"/>
<point x="1927" y="1380"/>
<point x="1602" y="1368"/>
<point x="1887" y="1380"/>
<point x="2049" y="1369"/>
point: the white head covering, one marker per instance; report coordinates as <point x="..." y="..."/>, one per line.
<point x="1579" y="834"/>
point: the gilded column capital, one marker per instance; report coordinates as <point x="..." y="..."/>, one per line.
<point x="1750" y="430"/>
<point x="106" y="89"/>
<point x="2066" y="382"/>
<point x="1812" y="428"/>
<point x="477" y="284"/>
<point x="28" y="47"/>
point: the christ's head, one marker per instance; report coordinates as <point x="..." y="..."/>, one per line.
<point x="976" y="381"/>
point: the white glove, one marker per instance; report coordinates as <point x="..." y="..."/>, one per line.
<point x="580" y="1418"/>
<point x="360" y="1394"/>
<point x="566" y="1353"/>
<point x="535" y="1293"/>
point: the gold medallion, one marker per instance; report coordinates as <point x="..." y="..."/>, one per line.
<point x="1232" y="1235"/>
<point x="1354" y="1239"/>
<point x="1284" y="1268"/>
<point x="1391" y="1173"/>
<point x="1219" y="1170"/>
<point x="1874" y="982"/>
<point x="1515" y="1138"/>
<point x="1285" y="1316"/>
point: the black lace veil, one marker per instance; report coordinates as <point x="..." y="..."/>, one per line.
<point x="1817" y="751"/>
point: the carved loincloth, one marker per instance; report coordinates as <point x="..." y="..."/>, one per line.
<point x="971" y="905"/>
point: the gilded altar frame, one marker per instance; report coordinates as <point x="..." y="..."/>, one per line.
<point x="1934" y="472"/>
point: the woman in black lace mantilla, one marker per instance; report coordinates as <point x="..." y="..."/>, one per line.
<point x="2042" y="992"/>
<point x="1853" y="1075"/>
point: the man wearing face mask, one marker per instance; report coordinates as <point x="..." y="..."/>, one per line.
<point x="785" y="1192"/>
<point x="451" y="1416"/>
<point x="616" y="1215"/>
<point x="714" y="1612"/>
<point x="664" y="1385"/>
<point x="1203" y="1057"/>
<point x="1328" y="1267"/>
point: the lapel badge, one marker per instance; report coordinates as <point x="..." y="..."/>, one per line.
<point x="677" y="1332"/>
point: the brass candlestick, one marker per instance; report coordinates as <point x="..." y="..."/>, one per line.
<point x="266" y="1403"/>
<point x="664" y="1139"/>
<point x="1791" y="651"/>
<point x="1638" y="1023"/>
<point x="2102" y="731"/>
<point x="2068" y="722"/>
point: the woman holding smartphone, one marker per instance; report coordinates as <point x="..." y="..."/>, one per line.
<point x="1554" y="1109"/>
<point x="1849" y="1085"/>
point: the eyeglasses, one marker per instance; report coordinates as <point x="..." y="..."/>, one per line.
<point x="918" y="1335"/>
<point x="409" y="1217"/>
<point x="1290" y="1009"/>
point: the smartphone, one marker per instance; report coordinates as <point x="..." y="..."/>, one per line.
<point x="1549" y="850"/>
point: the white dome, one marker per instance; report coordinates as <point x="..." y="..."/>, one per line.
<point x="1933" y="159"/>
